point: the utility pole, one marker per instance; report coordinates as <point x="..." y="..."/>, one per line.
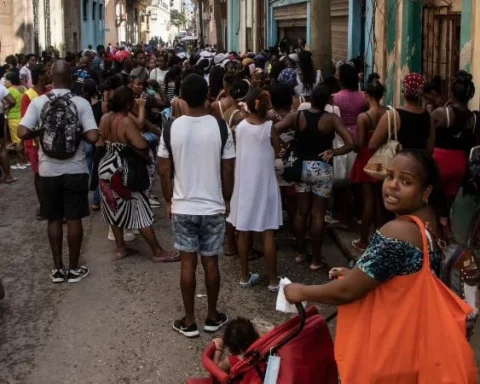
<point x="200" y="18"/>
<point x="321" y="46"/>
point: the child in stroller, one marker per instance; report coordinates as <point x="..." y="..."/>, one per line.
<point x="239" y="335"/>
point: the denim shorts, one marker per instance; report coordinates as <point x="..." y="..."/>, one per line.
<point x="202" y="234"/>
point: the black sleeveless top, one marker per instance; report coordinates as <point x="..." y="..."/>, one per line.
<point x="414" y="129"/>
<point x="311" y="142"/>
<point x="459" y="135"/>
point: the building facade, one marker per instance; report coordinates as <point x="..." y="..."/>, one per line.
<point x="33" y="25"/>
<point x="93" y="23"/>
<point x="123" y="21"/>
<point x="159" y="14"/>
<point x="431" y="37"/>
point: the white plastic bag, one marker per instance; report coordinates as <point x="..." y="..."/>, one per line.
<point x="282" y="304"/>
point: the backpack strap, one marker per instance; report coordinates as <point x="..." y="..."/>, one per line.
<point x="222" y="125"/>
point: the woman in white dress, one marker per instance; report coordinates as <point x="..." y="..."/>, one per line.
<point x="256" y="203"/>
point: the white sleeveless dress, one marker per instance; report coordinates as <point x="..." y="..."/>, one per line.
<point x="256" y="203"/>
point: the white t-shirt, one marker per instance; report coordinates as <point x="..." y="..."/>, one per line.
<point x="158" y="75"/>
<point x="4" y="92"/>
<point x="49" y="167"/>
<point x="196" y="148"/>
<point x="24" y="71"/>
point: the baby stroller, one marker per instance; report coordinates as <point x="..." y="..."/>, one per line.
<point x="304" y="345"/>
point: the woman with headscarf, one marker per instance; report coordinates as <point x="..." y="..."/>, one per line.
<point x="289" y="77"/>
<point x="415" y="128"/>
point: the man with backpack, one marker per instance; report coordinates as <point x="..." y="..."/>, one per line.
<point x="62" y="121"/>
<point x="201" y="151"/>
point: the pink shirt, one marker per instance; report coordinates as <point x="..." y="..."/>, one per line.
<point x="351" y="104"/>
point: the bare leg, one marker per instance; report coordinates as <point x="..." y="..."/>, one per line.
<point x="367" y="214"/>
<point x="301" y="216"/>
<point x="159" y="254"/>
<point x="55" y="237"/>
<point x="243" y="246"/>
<point x="318" y="226"/>
<point x="188" y="284"/>
<point x="22" y="160"/>
<point x="230" y="246"/>
<point x="270" y="249"/>
<point x="37" y="181"/>
<point x="122" y="250"/>
<point x="212" y="283"/>
<point x="5" y="161"/>
<point x="74" y="238"/>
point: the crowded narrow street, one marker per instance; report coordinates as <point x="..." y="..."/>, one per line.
<point x="114" y="327"/>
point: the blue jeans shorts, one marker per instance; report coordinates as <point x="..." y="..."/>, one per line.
<point x="202" y="234"/>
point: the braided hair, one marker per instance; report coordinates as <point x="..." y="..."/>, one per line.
<point x="463" y="88"/>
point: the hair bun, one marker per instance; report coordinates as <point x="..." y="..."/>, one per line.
<point x="464" y="76"/>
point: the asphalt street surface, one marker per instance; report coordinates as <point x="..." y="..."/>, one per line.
<point x="114" y="326"/>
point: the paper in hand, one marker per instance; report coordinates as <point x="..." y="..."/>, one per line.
<point x="282" y="304"/>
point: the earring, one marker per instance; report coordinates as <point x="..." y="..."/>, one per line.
<point x="425" y="201"/>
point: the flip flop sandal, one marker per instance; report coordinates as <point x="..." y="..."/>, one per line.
<point x="356" y="246"/>
<point x="273" y="288"/>
<point x="254" y="279"/>
<point x="172" y="259"/>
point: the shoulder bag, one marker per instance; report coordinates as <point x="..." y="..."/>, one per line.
<point x="378" y="164"/>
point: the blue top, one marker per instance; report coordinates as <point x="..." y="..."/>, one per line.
<point x="386" y="258"/>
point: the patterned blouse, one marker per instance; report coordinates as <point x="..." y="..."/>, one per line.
<point x="386" y="258"/>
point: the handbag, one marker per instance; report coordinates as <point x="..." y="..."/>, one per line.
<point x="410" y="329"/>
<point x="378" y="164"/>
<point x="135" y="172"/>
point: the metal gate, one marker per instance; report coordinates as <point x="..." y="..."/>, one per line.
<point x="441" y="44"/>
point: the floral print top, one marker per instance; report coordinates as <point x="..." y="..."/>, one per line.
<point x="386" y="258"/>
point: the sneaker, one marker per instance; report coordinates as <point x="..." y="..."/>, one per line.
<point x="190" y="331"/>
<point x="77" y="275"/>
<point x="58" y="275"/>
<point x="154" y="203"/>
<point x="127" y="236"/>
<point x="330" y="219"/>
<point x="212" y="326"/>
<point x="254" y="279"/>
<point x="18" y="167"/>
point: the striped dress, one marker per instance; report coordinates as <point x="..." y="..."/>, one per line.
<point x="120" y="206"/>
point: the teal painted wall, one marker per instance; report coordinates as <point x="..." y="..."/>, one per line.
<point x="272" y="25"/>
<point x="391" y="20"/>
<point x="369" y="37"/>
<point x="411" y="55"/>
<point x="233" y="19"/>
<point x="354" y="28"/>
<point x="466" y="35"/>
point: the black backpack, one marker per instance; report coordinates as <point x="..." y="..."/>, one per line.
<point x="62" y="131"/>
<point x="167" y="130"/>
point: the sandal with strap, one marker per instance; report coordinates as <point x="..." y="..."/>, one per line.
<point x="254" y="279"/>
